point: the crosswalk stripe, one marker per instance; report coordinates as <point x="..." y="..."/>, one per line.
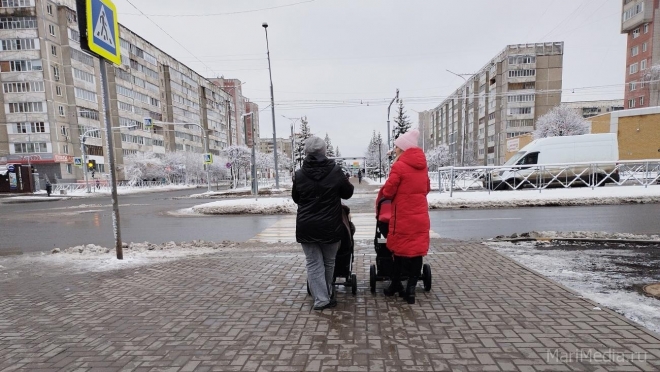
<point x="284" y="230"/>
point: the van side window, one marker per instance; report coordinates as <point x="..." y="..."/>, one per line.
<point x="530" y="159"/>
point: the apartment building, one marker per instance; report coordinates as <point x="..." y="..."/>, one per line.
<point x="502" y="100"/>
<point x="592" y="108"/>
<point x="284" y="145"/>
<point x="638" y="21"/>
<point x="52" y="96"/>
<point x="235" y="89"/>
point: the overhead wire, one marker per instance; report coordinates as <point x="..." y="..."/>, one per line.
<point x="225" y="13"/>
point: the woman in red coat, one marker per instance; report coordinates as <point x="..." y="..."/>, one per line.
<point x="408" y="235"/>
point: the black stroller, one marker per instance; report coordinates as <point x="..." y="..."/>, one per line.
<point x="382" y="270"/>
<point x="344" y="258"/>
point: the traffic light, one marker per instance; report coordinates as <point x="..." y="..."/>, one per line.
<point x="91" y="165"/>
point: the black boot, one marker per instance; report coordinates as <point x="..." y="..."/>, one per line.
<point x="395" y="286"/>
<point x="410" y="290"/>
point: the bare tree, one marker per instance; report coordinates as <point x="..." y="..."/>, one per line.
<point x="438" y="157"/>
<point x="561" y="121"/>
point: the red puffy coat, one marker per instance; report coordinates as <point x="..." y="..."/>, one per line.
<point x="407" y="187"/>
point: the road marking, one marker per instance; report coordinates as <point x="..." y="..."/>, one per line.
<point x="481" y="219"/>
<point x="284" y="230"/>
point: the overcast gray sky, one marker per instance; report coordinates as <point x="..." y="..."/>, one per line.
<point x="339" y="62"/>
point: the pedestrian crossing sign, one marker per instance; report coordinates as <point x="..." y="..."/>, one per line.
<point x="103" y="30"/>
<point x="77" y="162"/>
<point x="208" y="158"/>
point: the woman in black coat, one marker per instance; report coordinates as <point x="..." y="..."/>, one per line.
<point x="318" y="188"/>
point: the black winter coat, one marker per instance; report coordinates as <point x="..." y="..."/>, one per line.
<point x="318" y="188"/>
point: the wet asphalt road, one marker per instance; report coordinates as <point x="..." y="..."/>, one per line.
<point x="144" y="217"/>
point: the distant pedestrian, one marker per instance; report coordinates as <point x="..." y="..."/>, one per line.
<point x="407" y="186"/>
<point x="49" y="188"/>
<point x="359" y="176"/>
<point x="98" y="184"/>
<point x="318" y="188"/>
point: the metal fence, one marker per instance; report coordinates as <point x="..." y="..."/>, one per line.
<point x="540" y="177"/>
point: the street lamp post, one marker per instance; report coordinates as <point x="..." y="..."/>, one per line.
<point x="205" y="138"/>
<point x="463" y="131"/>
<point x="380" y="160"/>
<point x="389" y="139"/>
<point x="255" y="184"/>
<point x="272" y="107"/>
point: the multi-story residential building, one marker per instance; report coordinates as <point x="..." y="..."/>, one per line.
<point x="502" y="100"/>
<point x="638" y="23"/>
<point x="52" y="96"/>
<point x="284" y="145"/>
<point x="592" y="108"/>
<point x="425" y="126"/>
<point x="235" y="88"/>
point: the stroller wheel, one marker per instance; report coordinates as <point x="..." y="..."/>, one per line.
<point x="426" y="277"/>
<point x="308" y="291"/>
<point x="354" y="284"/>
<point x="372" y="278"/>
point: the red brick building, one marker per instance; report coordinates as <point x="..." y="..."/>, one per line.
<point x="638" y="23"/>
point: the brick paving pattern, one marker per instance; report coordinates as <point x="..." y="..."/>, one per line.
<point x="247" y="309"/>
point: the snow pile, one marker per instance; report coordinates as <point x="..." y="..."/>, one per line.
<point x="606" y="276"/>
<point x="552" y="197"/>
<point x="590" y="235"/>
<point x="370" y="181"/>
<point x="92" y="249"/>
<point x="246" y="206"/>
<point x="243" y="191"/>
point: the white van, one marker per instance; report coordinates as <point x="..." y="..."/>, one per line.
<point x="550" y="152"/>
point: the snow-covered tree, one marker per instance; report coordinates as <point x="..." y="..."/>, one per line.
<point x="143" y="166"/>
<point x="338" y="154"/>
<point x="652" y="77"/>
<point x="283" y="160"/>
<point x="330" y="150"/>
<point x="301" y="137"/>
<point x="376" y="161"/>
<point x="561" y="121"/>
<point x="402" y="121"/>
<point x="438" y="157"/>
<point x="240" y="159"/>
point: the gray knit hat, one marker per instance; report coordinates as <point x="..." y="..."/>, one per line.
<point x="315" y="145"/>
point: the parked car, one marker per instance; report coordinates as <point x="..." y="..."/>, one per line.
<point x="548" y="160"/>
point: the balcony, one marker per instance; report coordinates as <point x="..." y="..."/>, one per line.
<point x="635" y="14"/>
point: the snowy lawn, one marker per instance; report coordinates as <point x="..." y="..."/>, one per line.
<point x="370" y="181"/>
<point x="122" y="190"/>
<point x="551" y="197"/>
<point x="611" y="275"/>
<point x="245" y="206"/>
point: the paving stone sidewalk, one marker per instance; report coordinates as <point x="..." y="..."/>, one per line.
<point x="247" y="310"/>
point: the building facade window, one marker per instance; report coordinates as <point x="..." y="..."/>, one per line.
<point x="635" y="33"/>
<point x="15" y="107"/>
<point x="69" y="168"/>
<point x="84" y="76"/>
<point x="646" y="28"/>
<point x="85" y="94"/>
<point x="58" y="90"/>
<point x="19" y="44"/>
<point x="32" y="147"/>
<point x="642" y="65"/>
<point x="634" y="50"/>
<point x="641" y="101"/>
<point x="60" y="110"/>
<point x="631" y="103"/>
<point x="633" y="85"/>
<point x="644" y="46"/>
<point x="53" y="50"/>
<point x="634" y="68"/>
<point x="51" y="30"/>
<point x="35" y="127"/>
<point x="56" y="73"/>
<point x="16" y="3"/>
<point x="49" y="9"/>
<point x="23" y="87"/>
<point x="522" y="73"/>
<point x="18" y="23"/>
<point x="88" y="113"/>
<point x="82" y="57"/>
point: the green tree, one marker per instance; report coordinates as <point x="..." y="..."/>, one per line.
<point x="330" y="150"/>
<point x="402" y="121"/>
<point x="301" y="137"/>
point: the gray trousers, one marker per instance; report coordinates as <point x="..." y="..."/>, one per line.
<point x="320" y="270"/>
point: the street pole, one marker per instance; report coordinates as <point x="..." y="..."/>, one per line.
<point x="463" y="131"/>
<point x="380" y="161"/>
<point x="207" y="166"/>
<point x="84" y="160"/>
<point x="389" y="139"/>
<point x="255" y="184"/>
<point x="272" y="107"/>
<point x="111" y="159"/>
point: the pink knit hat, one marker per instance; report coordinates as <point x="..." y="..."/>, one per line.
<point x="407" y="140"/>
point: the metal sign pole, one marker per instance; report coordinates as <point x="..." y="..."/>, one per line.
<point x="111" y="159"/>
